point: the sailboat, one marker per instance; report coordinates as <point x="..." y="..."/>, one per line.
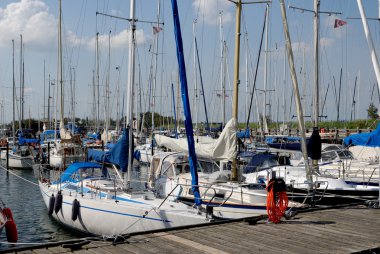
<point x="306" y="183"/>
<point x="19" y="157"/>
<point x="97" y="200"/>
<point x="68" y="149"/>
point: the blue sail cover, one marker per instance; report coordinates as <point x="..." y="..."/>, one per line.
<point x="186" y="105"/>
<point x="371" y="139"/>
<point x="75" y="167"/>
<point x="118" y="154"/>
<point x="243" y="134"/>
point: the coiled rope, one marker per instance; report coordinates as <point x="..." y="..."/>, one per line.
<point x="277" y="200"/>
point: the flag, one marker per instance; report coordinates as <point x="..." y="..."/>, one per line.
<point x="156" y="29"/>
<point x="339" y="23"/>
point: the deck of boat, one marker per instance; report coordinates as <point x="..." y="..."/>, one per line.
<point x="344" y="230"/>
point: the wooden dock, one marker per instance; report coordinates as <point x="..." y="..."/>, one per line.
<point x="344" y="230"/>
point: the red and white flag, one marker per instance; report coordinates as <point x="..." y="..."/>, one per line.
<point x="339" y="23"/>
<point x="156" y="29"/>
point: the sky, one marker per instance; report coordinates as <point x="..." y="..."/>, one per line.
<point x="342" y="50"/>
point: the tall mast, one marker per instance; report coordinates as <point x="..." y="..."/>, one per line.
<point x="265" y="124"/>
<point x="20" y="119"/>
<point x="375" y="61"/>
<point x="246" y="76"/>
<point x="155" y="52"/>
<point x="316" y="62"/>
<point x="222" y="84"/>
<point x="235" y="109"/>
<point x="195" y="81"/>
<point x="107" y="116"/>
<point x="131" y="82"/>
<point x="44" y="119"/>
<point x="14" y="91"/>
<point x="296" y="92"/>
<point x="118" y="99"/>
<point x="97" y="84"/>
<point x="60" y="68"/>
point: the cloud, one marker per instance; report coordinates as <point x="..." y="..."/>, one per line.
<point x="30" y="18"/>
<point x="209" y="11"/>
<point x="119" y="40"/>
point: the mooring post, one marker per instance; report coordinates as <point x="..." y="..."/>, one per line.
<point x="7" y="158"/>
<point x="48" y="156"/>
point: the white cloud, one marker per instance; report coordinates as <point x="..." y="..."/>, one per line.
<point x="209" y="10"/>
<point x="30" y="18"/>
<point x="119" y="40"/>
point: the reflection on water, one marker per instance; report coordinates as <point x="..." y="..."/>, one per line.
<point x="29" y="211"/>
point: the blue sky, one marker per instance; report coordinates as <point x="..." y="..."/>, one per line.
<point x="344" y="47"/>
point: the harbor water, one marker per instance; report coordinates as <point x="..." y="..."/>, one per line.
<point x="20" y="192"/>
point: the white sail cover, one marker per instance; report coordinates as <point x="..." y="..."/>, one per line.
<point x="65" y="134"/>
<point x="222" y="149"/>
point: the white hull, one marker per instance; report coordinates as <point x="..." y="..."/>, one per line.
<point x="3" y="220"/>
<point x="18" y="162"/>
<point x="105" y="217"/>
<point x="57" y="160"/>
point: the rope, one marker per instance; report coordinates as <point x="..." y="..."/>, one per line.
<point x="26" y="180"/>
<point x="277" y="200"/>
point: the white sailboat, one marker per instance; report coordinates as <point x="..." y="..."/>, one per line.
<point x="97" y="200"/>
<point x="68" y="149"/>
<point x="19" y="157"/>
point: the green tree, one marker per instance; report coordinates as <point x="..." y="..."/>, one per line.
<point x="372" y="111"/>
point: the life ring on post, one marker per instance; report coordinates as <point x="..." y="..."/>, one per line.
<point x="10" y="226"/>
<point x="277" y="199"/>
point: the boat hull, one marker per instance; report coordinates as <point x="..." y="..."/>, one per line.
<point x="108" y="217"/>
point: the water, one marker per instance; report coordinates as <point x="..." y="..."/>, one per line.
<point x="29" y="210"/>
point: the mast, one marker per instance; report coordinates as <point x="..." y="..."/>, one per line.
<point x="234" y="176"/>
<point x="118" y="99"/>
<point x="131" y="81"/>
<point x="316" y="63"/>
<point x="195" y="83"/>
<point x="375" y="61"/>
<point x="14" y="91"/>
<point x="107" y="119"/>
<point x="186" y="105"/>
<point x="44" y="94"/>
<point x="246" y="75"/>
<point x="265" y="124"/>
<point x="97" y="83"/>
<point x="296" y="92"/>
<point x="222" y="83"/>
<point x="155" y="52"/>
<point x="60" y="68"/>
<point x="21" y="86"/>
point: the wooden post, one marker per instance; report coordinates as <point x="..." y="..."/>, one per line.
<point x="8" y="157"/>
<point x="48" y="156"/>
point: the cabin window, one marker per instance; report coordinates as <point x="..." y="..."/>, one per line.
<point x="328" y="156"/>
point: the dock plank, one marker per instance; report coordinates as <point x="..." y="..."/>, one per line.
<point x="343" y="230"/>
